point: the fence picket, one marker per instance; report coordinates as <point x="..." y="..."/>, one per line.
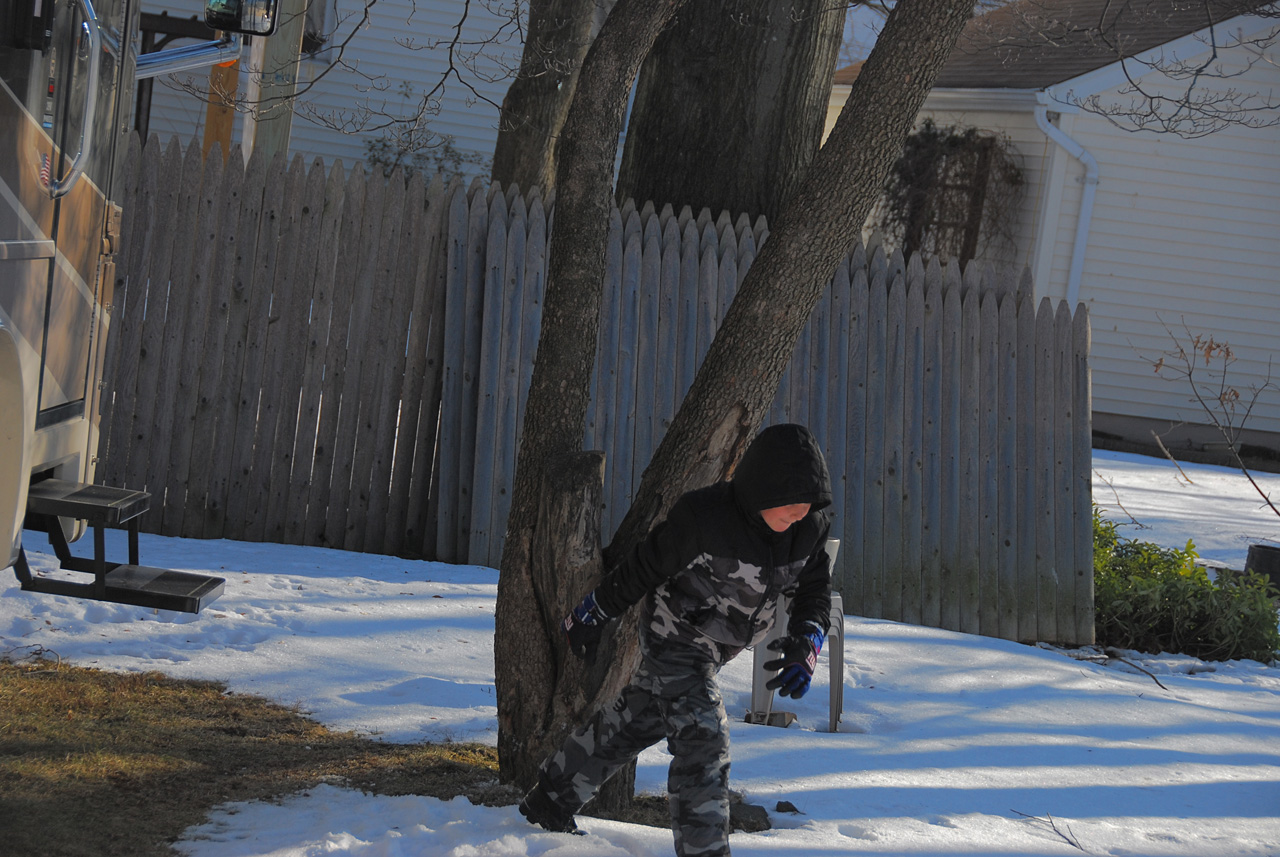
<point x="445" y="492"/>
<point x="1064" y="508"/>
<point x="854" y="535"/>
<point x="949" y="459"/>
<point x="1007" y="565"/>
<point x="649" y="350"/>
<point x="873" y="513"/>
<point x="223" y="213"/>
<point x="424" y="486"/>
<point x="894" y="517"/>
<point x="1082" y="439"/>
<point x="970" y="518"/>
<point x="327" y="469"/>
<point x="482" y="475"/>
<point x="243" y="501"/>
<point x="324" y="322"/>
<point x="931" y="404"/>
<point x="293" y="307"/>
<point x="1028" y="615"/>
<point x="1046" y="566"/>
<point x="128" y="326"/>
<point x="178" y="364"/>
<point x="913" y="450"/>
<point x="153" y="271"/>
<point x="398" y="236"/>
<point x="988" y="552"/>
<point x="240" y="252"/>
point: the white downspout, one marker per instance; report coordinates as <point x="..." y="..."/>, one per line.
<point x="1086" y="198"/>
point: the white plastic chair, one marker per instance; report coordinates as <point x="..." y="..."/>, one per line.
<point x="762" y="698"/>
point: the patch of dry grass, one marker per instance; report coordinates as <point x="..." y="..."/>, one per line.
<point x="95" y="763"/>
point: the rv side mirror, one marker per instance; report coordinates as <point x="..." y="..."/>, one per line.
<point x="250" y="17"/>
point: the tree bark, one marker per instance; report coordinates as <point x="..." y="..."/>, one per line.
<point x="525" y="661"/>
<point x="730" y="105"/>
<point x="537" y="101"/>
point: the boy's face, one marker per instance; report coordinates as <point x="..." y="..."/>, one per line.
<point x="779" y="518"/>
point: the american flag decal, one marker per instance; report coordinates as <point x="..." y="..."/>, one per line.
<point x="44" y="170"/>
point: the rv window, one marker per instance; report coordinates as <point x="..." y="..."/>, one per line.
<point x="251" y="17"/>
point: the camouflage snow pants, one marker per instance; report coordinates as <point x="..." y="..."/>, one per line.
<point x="680" y="704"/>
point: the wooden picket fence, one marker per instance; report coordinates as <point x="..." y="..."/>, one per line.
<point x="325" y="358"/>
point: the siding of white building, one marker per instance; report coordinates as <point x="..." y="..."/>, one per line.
<point x="391" y="49"/>
<point x="1184" y="232"/>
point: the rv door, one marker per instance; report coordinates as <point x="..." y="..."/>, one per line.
<point x="66" y="73"/>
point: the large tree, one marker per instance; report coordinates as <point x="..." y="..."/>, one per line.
<point x="733" y="388"/>
<point x="730" y="105"/>
<point x="529" y="661"/>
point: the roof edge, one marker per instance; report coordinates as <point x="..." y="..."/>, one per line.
<point x="1070" y="90"/>
<point x="982" y="99"/>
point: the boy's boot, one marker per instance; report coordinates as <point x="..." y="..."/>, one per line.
<point x="539" y="809"/>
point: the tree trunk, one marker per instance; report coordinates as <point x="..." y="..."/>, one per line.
<point x="565" y="561"/>
<point x="525" y="662"/>
<point x="730" y="105"/>
<point x="537" y="102"/>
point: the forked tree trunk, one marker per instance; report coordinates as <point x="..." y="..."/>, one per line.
<point x="565" y="562"/>
<point x="525" y="636"/>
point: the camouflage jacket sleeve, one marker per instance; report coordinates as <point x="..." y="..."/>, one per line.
<point x="668" y="548"/>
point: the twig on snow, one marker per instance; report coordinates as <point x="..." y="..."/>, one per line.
<point x="1115" y="653"/>
<point x="1169" y="455"/>
<point x="1120" y="505"/>
<point x="1068" y="837"/>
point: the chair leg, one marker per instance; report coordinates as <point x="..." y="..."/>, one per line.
<point x="835" y="656"/>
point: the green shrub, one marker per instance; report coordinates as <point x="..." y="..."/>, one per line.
<point x="1156" y="599"/>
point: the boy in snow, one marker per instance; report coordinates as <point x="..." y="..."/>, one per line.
<point x="711" y="575"/>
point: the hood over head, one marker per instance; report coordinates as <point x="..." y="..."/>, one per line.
<point x="782" y="466"/>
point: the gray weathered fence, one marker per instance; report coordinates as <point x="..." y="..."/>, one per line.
<point x="329" y="359"/>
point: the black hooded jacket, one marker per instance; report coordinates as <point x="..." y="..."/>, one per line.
<point x="713" y="571"/>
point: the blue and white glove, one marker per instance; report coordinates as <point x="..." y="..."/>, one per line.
<point x="799" y="656"/>
<point x="584" y="626"/>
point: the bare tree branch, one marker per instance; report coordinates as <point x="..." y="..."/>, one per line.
<point x="1222" y="403"/>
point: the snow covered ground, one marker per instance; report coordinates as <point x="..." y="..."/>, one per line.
<point x="951" y="744"/>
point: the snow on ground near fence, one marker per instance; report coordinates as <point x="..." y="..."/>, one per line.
<point x="951" y="744"/>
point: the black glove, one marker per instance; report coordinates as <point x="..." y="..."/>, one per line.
<point x="584" y="626"/>
<point x="799" y="657"/>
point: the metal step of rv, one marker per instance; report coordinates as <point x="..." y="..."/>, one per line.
<point x="124" y="583"/>
<point x="94" y="504"/>
<point x="140" y="585"/>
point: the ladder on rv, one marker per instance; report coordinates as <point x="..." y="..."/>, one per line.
<point x="123" y="583"/>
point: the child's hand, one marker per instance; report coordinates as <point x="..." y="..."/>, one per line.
<point x="584" y="626"/>
<point x="799" y="657"/>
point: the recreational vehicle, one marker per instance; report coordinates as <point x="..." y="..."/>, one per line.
<point x="67" y="75"/>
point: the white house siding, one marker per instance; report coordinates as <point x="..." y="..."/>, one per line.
<point x="1184" y="231"/>
<point x="384" y="54"/>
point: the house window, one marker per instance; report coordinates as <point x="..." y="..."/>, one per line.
<point x="952" y="194"/>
